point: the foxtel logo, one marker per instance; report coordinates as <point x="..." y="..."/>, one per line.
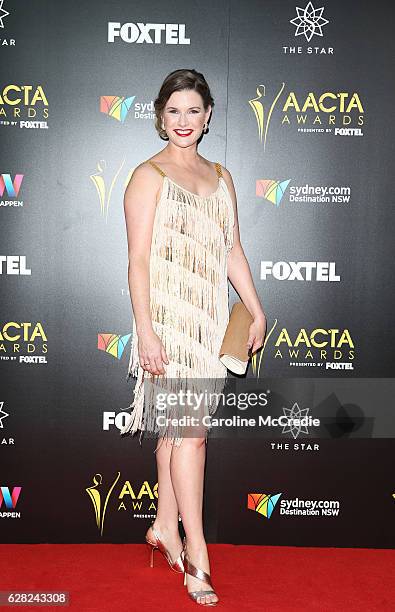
<point x="140" y="33"/>
<point x="300" y="270"/>
<point x="14" y="264"/>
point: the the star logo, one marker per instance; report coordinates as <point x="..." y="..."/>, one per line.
<point x="309" y="21"/>
<point x="295" y="413"/>
<point x="3" y="14"/>
<point x="3" y="415"/>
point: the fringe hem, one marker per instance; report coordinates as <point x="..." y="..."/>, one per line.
<point x="153" y="415"/>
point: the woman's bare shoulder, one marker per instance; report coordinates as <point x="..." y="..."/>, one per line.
<point x="145" y="182"/>
<point x="144" y="168"/>
<point x="144" y="172"/>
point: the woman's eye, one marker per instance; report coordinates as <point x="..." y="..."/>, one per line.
<point x="175" y="111"/>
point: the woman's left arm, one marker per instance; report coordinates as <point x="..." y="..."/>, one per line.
<point x="239" y="274"/>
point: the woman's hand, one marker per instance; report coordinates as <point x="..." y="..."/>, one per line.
<point x="257" y="333"/>
<point x="152" y="353"/>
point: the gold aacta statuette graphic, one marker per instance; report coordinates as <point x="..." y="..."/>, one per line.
<point x="256" y="366"/>
<point x="103" y="191"/>
<point x="97" y="501"/>
<point x="260" y="112"/>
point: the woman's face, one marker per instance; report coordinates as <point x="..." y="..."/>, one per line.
<point x="184" y="117"/>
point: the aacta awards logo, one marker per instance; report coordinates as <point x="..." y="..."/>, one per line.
<point x="141" y="501"/>
<point x="329" y="112"/>
<point x="317" y="346"/>
<point x="327" y="348"/>
<point x="24" y="106"/>
<point x="18" y="338"/>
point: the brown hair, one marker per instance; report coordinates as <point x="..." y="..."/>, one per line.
<point x="179" y="80"/>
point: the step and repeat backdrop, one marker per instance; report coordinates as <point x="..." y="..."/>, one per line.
<point x="303" y="121"/>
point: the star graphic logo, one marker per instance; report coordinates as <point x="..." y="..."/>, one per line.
<point x="309" y="21"/>
<point x="3" y="14"/>
<point x="3" y="415"/>
<point x="295" y="413"/>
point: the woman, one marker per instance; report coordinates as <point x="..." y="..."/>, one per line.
<point x="183" y="243"/>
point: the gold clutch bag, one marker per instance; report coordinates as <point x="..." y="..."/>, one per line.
<point x="234" y="353"/>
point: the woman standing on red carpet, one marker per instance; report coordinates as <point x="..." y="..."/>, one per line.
<point x="183" y="245"/>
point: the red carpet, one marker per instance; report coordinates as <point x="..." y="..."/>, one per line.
<point x="116" y="577"/>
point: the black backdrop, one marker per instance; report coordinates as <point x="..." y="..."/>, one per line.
<point x="303" y="101"/>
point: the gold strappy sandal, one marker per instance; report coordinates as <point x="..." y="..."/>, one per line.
<point x="201" y="575"/>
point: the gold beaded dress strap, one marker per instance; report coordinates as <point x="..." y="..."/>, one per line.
<point x="156" y="167"/>
<point x="218" y="169"/>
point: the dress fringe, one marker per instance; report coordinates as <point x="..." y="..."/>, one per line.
<point x="189" y="303"/>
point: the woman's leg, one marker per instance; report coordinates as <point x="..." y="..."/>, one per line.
<point x="187" y="474"/>
<point x="166" y="521"/>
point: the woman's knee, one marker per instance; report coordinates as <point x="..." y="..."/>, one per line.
<point x="195" y="442"/>
<point x="163" y="450"/>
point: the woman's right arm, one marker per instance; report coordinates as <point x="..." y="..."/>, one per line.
<point x="139" y="206"/>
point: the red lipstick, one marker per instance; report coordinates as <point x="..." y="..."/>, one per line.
<point x="187" y="133"/>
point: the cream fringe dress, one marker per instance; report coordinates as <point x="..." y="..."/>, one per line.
<point x="192" y="236"/>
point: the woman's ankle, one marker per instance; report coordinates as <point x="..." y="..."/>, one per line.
<point x="196" y="543"/>
<point x="166" y="527"/>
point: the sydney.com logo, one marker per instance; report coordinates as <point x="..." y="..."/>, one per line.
<point x="265" y="503"/>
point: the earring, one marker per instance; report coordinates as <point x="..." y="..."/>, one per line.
<point x="205" y="128"/>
